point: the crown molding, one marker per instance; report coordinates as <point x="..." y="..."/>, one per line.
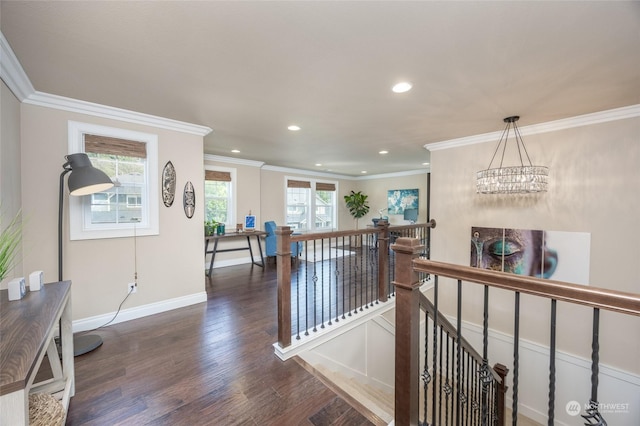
<point x="305" y="172"/>
<point x="12" y="72"/>
<point x="395" y="174"/>
<point x="97" y="110"/>
<point x="233" y="160"/>
<point x="551" y="126"/>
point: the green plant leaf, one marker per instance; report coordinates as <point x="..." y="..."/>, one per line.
<point x="357" y="204"/>
<point x="10" y="238"/>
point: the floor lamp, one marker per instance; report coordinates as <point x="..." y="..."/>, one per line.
<point x="83" y="180"/>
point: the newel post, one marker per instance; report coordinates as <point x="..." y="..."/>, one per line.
<point x="407" y="362"/>
<point x="283" y="262"/>
<point x="501" y="392"/>
<point x="383" y="259"/>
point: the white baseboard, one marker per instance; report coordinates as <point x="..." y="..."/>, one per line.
<point x="139" y="311"/>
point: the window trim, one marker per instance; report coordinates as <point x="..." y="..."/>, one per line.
<point x="77" y="228"/>
<point x="231" y="212"/>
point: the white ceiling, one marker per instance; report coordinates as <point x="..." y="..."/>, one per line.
<point x="249" y="69"/>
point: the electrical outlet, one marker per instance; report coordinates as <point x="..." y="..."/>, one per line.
<point x="132" y="288"/>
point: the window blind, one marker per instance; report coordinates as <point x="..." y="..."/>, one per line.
<point x="325" y="186"/>
<point x="114" y="146"/>
<point x="298" y="184"/>
<point x="217" y="176"/>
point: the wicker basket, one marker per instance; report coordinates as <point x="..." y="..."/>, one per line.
<point x="45" y="410"/>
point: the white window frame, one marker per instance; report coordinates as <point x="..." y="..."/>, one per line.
<point x="311" y="210"/>
<point x="150" y="224"/>
<point x="232" y="205"/>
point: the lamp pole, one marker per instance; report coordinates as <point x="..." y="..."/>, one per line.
<point x="66" y="170"/>
<point x="84" y="180"/>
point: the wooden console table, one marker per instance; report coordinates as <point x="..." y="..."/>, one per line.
<point x="27" y="330"/>
<point x="234" y="235"/>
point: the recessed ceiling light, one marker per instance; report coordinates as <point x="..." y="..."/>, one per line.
<point x="384" y="151"/>
<point x="363" y="172"/>
<point x="318" y="164"/>
<point x="293" y="128"/>
<point x="235" y="151"/>
<point x="402" y="87"/>
<point x="425" y="164"/>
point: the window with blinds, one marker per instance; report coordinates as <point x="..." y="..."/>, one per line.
<point x="130" y="159"/>
<point x="219" y="195"/>
<point x="124" y="161"/>
<point x="311" y="205"/>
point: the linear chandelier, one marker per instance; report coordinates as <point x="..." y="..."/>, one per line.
<point x="522" y="179"/>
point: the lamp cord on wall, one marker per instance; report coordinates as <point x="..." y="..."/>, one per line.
<point x="135" y="278"/>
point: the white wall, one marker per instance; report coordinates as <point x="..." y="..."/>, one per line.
<point x="170" y="265"/>
<point x="10" y="180"/>
<point x="377" y="188"/>
<point x="595" y="188"/>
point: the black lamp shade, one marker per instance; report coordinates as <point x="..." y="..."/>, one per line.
<point x="84" y="178"/>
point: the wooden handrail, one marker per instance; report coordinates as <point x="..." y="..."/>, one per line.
<point x="354" y="232"/>
<point x="595" y="297"/>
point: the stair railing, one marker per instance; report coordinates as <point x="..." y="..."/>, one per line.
<point x="337" y="275"/>
<point x="408" y="304"/>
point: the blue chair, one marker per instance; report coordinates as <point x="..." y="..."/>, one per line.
<point x="271" y="245"/>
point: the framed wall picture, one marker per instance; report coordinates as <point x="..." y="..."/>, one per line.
<point x="249" y="222"/>
<point x="400" y="199"/>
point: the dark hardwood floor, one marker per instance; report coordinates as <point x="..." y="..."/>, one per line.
<point x="208" y="364"/>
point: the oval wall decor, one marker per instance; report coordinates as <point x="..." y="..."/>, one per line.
<point x="189" y="200"/>
<point x="168" y="184"/>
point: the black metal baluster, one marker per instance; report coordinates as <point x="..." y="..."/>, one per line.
<point x="344" y="284"/>
<point x="485" y="374"/>
<point x="468" y="389"/>
<point x="434" y="368"/>
<point x="368" y="289"/>
<point x="426" y="377"/>
<point x="476" y="394"/>
<point x="592" y="415"/>
<point x="552" y="365"/>
<point x="447" y="387"/>
<point x="492" y="396"/>
<point x="351" y="280"/>
<point x="516" y="359"/>
<point x="362" y="273"/>
<point x="458" y="353"/>
<point x="298" y="299"/>
<point x="314" y="278"/>
<point x="322" y="281"/>
<point x="330" y="278"/>
<point x="440" y="388"/>
<point x="306" y="294"/>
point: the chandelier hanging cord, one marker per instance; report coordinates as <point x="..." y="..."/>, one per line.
<point x="520" y="141"/>
<point x="502" y="138"/>
<point x="505" y="138"/>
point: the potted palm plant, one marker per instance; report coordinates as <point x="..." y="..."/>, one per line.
<point x="357" y="205"/>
